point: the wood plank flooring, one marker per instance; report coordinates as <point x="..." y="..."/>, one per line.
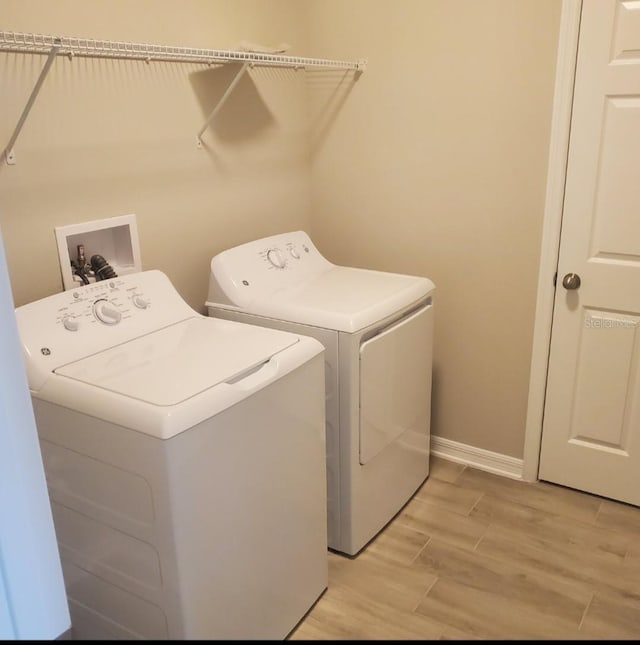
<point x="479" y="556"/>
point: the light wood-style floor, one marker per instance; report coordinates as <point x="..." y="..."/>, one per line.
<point x="478" y="556"/>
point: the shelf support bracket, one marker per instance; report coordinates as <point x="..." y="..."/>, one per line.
<point x="9" y="154"/>
<point x="221" y="102"/>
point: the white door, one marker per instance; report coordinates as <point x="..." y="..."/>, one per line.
<point x="591" y="429"/>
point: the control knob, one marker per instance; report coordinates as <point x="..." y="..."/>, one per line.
<point x="70" y="323"/>
<point x="140" y="301"/>
<point x="105" y="312"/>
<point x="277" y="259"/>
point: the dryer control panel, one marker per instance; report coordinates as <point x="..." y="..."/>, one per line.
<point x="283" y="254"/>
<point x="259" y="268"/>
<point x="80" y="322"/>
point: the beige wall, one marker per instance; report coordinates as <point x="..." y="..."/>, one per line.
<point x="108" y="138"/>
<point x="435" y="164"/>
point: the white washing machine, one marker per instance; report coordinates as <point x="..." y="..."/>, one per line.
<point x="377" y="330"/>
<point x="185" y="461"/>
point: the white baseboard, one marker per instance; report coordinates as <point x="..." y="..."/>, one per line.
<point x="492" y="462"/>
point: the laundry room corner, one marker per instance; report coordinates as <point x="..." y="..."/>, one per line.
<point x="435" y="165"/>
<point x="110" y="137"/>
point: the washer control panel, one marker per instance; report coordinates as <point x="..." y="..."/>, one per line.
<point x="107" y="303"/>
<point x="77" y="323"/>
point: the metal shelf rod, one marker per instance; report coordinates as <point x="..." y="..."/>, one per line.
<point x="9" y="154"/>
<point x="225" y="96"/>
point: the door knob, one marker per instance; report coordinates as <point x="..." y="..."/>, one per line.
<point x="571" y="281"/>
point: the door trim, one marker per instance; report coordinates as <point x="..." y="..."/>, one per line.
<point x="551" y="228"/>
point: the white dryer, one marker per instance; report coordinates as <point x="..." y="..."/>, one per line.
<point x="185" y="461"/>
<point x="377" y="330"/>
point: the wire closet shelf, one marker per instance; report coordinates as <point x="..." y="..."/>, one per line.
<point x="54" y="46"/>
<point x="11" y="41"/>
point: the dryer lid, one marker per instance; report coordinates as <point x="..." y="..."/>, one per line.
<point x="344" y="298"/>
<point x="170" y="365"/>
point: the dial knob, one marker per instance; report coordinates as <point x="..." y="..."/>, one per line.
<point x="277" y="259"/>
<point x="294" y="253"/>
<point x="140" y="301"/>
<point x="70" y="323"/>
<point x="106" y="313"/>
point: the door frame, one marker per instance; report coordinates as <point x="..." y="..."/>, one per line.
<point x="551" y="228"/>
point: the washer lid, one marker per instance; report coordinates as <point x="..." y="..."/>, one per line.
<point x="170" y="365"/>
<point x="344" y="298"/>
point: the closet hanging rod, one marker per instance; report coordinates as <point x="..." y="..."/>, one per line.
<point x="11" y="41"/>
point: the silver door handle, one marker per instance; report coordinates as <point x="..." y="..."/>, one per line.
<point x="571" y="281"/>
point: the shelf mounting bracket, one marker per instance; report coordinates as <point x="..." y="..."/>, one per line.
<point x="9" y="153"/>
<point x="221" y="102"/>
